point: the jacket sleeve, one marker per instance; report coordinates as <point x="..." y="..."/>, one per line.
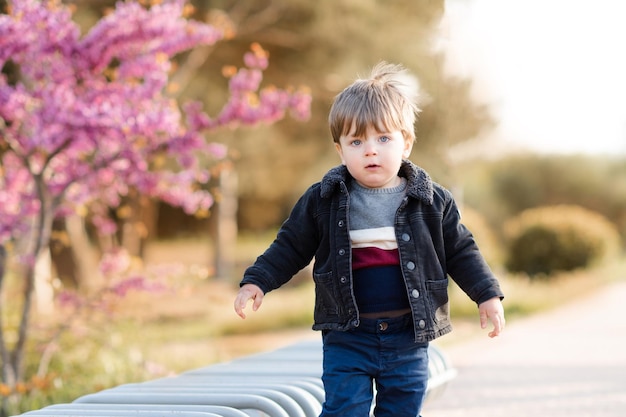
<point x="292" y="250"/>
<point x="464" y="262"/>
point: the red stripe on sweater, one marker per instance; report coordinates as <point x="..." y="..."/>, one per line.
<point x="371" y="257"/>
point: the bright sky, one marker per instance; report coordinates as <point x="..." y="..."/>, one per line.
<point x="553" y="70"/>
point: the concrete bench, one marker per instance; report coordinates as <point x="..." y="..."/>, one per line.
<point x="307" y="404"/>
<point x="285" y="382"/>
<point x="119" y="413"/>
<point x="163" y="408"/>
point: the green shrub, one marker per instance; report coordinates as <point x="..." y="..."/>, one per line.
<point x="503" y="188"/>
<point x="558" y="238"/>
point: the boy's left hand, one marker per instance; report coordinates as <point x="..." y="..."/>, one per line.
<point x="492" y="310"/>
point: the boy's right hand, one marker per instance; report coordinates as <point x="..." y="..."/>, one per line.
<point x="248" y="292"/>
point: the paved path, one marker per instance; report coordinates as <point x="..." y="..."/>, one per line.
<point x="567" y="362"/>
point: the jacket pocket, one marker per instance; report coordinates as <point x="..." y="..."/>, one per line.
<point x="326" y="307"/>
<point x="438" y="298"/>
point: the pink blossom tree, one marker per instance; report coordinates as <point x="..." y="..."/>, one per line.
<point x="84" y="120"/>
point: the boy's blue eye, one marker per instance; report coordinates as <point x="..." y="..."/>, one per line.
<point x="384" y="139"/>
<point x="356" y="142"/>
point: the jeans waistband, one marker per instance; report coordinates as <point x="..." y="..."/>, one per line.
<point x="391" y="325"/>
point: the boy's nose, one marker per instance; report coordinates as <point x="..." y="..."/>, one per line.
<point x="370" y="148"/>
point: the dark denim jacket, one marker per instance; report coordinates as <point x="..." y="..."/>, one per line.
<point x="432" y="243"/>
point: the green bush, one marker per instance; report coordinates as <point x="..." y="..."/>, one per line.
<point x="503" y="188"/>
<point x="545" y="240"/>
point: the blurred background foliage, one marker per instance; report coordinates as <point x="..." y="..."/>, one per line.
<point x="548" y="239"/>
<point x="503" y="188"/>
<point x="323" y="45"/>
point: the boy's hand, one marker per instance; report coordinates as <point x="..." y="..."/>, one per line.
<point x="492" y="310"/>
<point x="248" y="292"/>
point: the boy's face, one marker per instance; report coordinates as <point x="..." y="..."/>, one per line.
<point x="374" y="159"/>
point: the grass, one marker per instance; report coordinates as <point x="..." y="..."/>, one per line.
<point x="525" y="296"/>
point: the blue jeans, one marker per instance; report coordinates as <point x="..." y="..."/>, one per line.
<point x="382" y="351"/>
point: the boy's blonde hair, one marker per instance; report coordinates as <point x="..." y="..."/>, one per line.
<point x="387" y="100"/>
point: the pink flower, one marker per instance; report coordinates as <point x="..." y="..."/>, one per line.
<point x="135" y="283"/>
<point x="89" y="119"/>
<point x="115" y="262"/>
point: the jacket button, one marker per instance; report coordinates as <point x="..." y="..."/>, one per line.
<point x="406" y="237"/>
<point x="410" y="266"/>
<point x="421" y="324"/>
<point x="415" y="294"/>
<point x="343" y="280"/>
<point x="342" y="252"/>
<point x="340" y="223"/>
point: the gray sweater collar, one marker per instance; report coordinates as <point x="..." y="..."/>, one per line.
<point x="419" y="184"/>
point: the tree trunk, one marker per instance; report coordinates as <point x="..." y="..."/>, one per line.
<point x="226" y="223"/>
<point x="4" y="352"/>
<point x="83" y="253"/>
<point x="44" y="292"/>
<point x="39" y="243"/>
<point x="138" y="224"/>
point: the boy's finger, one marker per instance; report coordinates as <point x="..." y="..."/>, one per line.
<point x="258" y="299"/>
<point x="498" y="325"/>
<point x="240" y="304"/>
<point x="239" y="311"/>
<point x="483" y="319"/>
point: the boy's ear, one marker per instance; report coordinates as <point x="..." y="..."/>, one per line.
<point x="408" y="146"/>
<point x="340" y="152"/>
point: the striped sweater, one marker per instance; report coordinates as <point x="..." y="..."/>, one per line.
<point x="378" y="282"/>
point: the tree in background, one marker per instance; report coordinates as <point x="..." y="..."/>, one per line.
<point x="325" y="45"/>
<point x="86" y="121"/>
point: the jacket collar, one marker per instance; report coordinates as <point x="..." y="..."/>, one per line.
<point x="419" y="184"/>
